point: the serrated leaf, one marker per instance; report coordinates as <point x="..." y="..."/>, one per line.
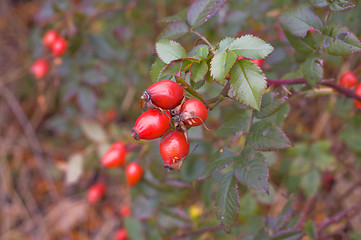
<point x="299" y="20"/>
<point x="198" y="84"/>
<point x="217" y="161"/>
<point x="156" y="69"/>
<point x="199" y="70"/>
<point x="311" y="182"/>
<point x="74" y="168"/>
<point x="93" y="131"/>
<point x="224" y="44"/>
<point x="313" y="69"/>
<point x="174" y="30"/>
<point x="134" y="229"/>
<point x="179" y="65"/>
<point x="237" y="124"/>
<point x="251" y="169"/>
<point x="303" y="45"/>
<point x="202" y="10"/>
<point x="342" y="5"/>
<point x="270" y="104"/>
<point x="221" y="64"/>
<point x="340" y="41"/>
<point x="266" y="136"/>
<point x="168" y="50"/>
<point x="227" y="201"/>
<point x="248" y="83"/>
<point x="181" y="16"/>
<point x="250" y="46"/>
<point x="199" y="52"/>
<point x="318" y="3"/>
<point x="295" y="235"/>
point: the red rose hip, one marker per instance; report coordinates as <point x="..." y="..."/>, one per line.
<point x="164" y="94"/>
<point x="193" y="112"/>
<point x="50" y="37"/>
<point x="173" y="149"/>
<point x="96" y="192"/>
<point x="133" y="173"/>
<point x="151" y="124"/>
<point x="40" y="68"/>
<point x="59" y="47"/>
<point x="348" y="80"/>
<point x="125" y="211"/>
<point x="358" y="92"/>
<point x="115" y="156"/>
<point x="121" y="234"/>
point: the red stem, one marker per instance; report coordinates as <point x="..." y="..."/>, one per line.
<point x="345" y="91"/>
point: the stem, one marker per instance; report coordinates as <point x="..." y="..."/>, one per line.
<point x="204" y="39"/>
<point x="190" y="89"/>
<point x="345" y="91"/>
<point x="197" y="232"/>
<point x="221" y="95"/>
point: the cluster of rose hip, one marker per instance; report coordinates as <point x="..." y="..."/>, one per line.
<point x="57" y="45"/>
<point x="349" y="80"/>
<point x="169" y="109"/>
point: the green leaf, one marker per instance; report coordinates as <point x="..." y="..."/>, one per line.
<point x="179" y="65"/>
<point x="202" y="10"/>
<point x="199" y="52"/>
<point x="237" y="124"/>
<point x="340" y="41"/>
<point x="93" y="131"/>
<point x="311" y="182"/>
<point x="313" y="69"/>
<point x="74" y="169"/>
<point x="266" y="136"/>
<point x="199" y="71"/>
<point x="299" y="20"/>
<point x="181" y="16"/>
<point x="295" y="235"/>
<point x="342" y="5"/>
<point x="251" y="169"/>
<point x="174" y="30"/>
<point x="217" y="161"/>
<point x="300" y="165"/>
<point x="224" y="44"/>
<point x="352" y="138"/>
<point x="221" y="64"/>
<point x="270" y="104"/>
<point x="248" y="83"/>
<point x="87" y="101"/>
<point x="227" y="201"/>
<point x="303" y="45"/>
<point x="318" y="3"/>
<point x="169" y="50"/>
<point x="156" y="69"/>
<point x="134" y="229"/>
<point x="250" y="46"/>
<point x="310" y="229"/>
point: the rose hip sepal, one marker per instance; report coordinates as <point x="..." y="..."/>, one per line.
<point x="193" y="112"/>
<point x="115" y="156"/>
<point x="40" y="68"/>
<point x="96" y="192"/>
<point x="151" y="124"/>
<point x="348" y="80"/>
<point x="164" y="94"/>
<point x="133" y="173"/>
<point x="173" y="149"/>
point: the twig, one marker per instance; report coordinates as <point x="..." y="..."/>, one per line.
<point x="197" y="232"/>
<point x="32" y="139"/>
<point x="339" y="216"/>
<point x="190" y="89"/>
<point x="204" y="39"/>
<point x="308" y="207"/>
<point x="222" y="94"/>
<point x="345" y="91"/>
